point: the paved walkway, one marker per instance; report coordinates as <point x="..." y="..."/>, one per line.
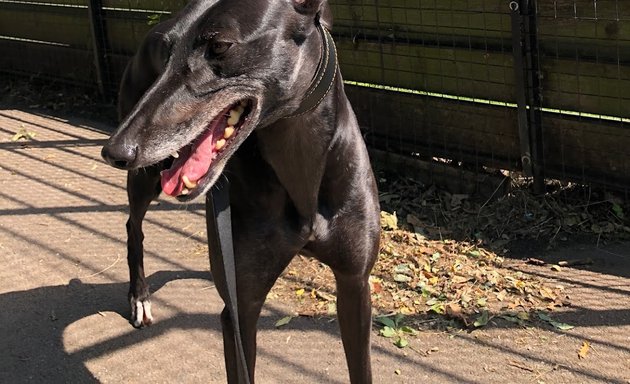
<point x="63" y="283"/>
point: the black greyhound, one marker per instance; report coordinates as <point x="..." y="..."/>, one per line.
<point x="251" y="82"/>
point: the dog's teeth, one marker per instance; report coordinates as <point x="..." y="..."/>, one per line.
<point x="189" y="184"/>
<point x="229" y="131"/>
<point x="219" y="144"/>
<point x="175" y="154"/>
<point x="235" y="116"/>
<point x="243" y="103"/>
<point x="184" y="192"/>
<point x="240" y="109"/>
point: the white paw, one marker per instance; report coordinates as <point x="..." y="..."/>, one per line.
<point x="141" y="312"/>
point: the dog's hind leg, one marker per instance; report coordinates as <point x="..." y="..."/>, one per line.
<point x="143" y="185"/>
<point x="354" y="311"/>
<point x="351" y="255"/>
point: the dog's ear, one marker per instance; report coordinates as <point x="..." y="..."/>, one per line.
<point x="319" y="9"/>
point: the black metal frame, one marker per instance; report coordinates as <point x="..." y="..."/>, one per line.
<point x="99" y="44"/>
<point x="528" y="89"/>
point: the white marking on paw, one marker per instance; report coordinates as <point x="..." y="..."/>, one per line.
<point x="136" y="313"/>
<point x="141" y="312"/>
<point x="148" y="318"/>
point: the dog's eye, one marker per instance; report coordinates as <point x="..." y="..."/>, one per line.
<point x="216" y="48"/>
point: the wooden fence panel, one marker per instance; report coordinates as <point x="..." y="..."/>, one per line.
<point x="455" y="71"/>
<point x="590" y="150"/>
<point x="438" y="21"/>
<point x="584" y="28"/>
<point x="472" y="133"/>
<point x="49" y="61"/>
<point x="165" y="6"/>
<point x="68" y="26"/>
<point x="457" y="48"/>
<point x="125" y="34"/>
<point x="586" y="86"/>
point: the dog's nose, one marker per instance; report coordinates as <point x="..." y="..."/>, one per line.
<point x="120" y="156"/>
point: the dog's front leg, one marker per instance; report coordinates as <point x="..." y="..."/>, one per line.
<point x="143" y="185"/>
<point x="258" y="266"/>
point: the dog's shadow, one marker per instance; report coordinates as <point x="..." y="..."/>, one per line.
<point x="33" y="322"/>
<point x="50" y="334"/>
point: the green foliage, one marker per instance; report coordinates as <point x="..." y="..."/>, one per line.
<point x="154" y="19"/>
<point x="394" y="330"/>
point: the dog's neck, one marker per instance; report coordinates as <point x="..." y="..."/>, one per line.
<point x="324" y="77"/>
<point x="297" y="148"/>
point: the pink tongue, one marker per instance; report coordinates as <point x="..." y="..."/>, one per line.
<point x="193" y="162"/>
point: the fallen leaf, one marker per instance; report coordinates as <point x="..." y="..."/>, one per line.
<point x="460" y="279"/>
<point x="523" y="315"/>
<point x="556" y="268"/>
<point x="553" y="323"/>
<point x="325" y="296"/>
<point x="408" y="330"/>
<point x="399" y="277"/>
<point x="454" y="310"/>
<point x="401" y="342"/>
<point x="586" y="346"/>
<point x="386" y="321"/>
<point x="22" y="133"/>
<point x="376" y="285"/>
<point x="482" y="319"/>
<point x="547" y="293"/>
<point x="618" y="210"/>
<point x="300" y="292"/>
<point x="389" y="221"/>
<point x="576" y="262"/>
<point x="284" y="321"/>
<point x="388" y="332"/>
<point x="397" y="371"/>
<point x="432" y="350"/>
<point x="513" y="319"/>
<point x="438" y="308"/>
<point x="474" y="253"/>
<point x="402" y="268"/>
<point x="535" y="261"/>
<point x="407" y="311"/>
<point x="561" y="326"/>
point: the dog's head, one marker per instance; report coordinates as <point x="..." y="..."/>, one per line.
<point x="233" y="66"/>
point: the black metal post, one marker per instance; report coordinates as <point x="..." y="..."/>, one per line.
<point x="99" y="45"/>
<point x="528" y="90"/>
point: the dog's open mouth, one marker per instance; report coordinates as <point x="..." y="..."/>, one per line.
<point x="192" y="163"/>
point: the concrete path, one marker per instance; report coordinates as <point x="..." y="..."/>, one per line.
<point x="63" y="284"/>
